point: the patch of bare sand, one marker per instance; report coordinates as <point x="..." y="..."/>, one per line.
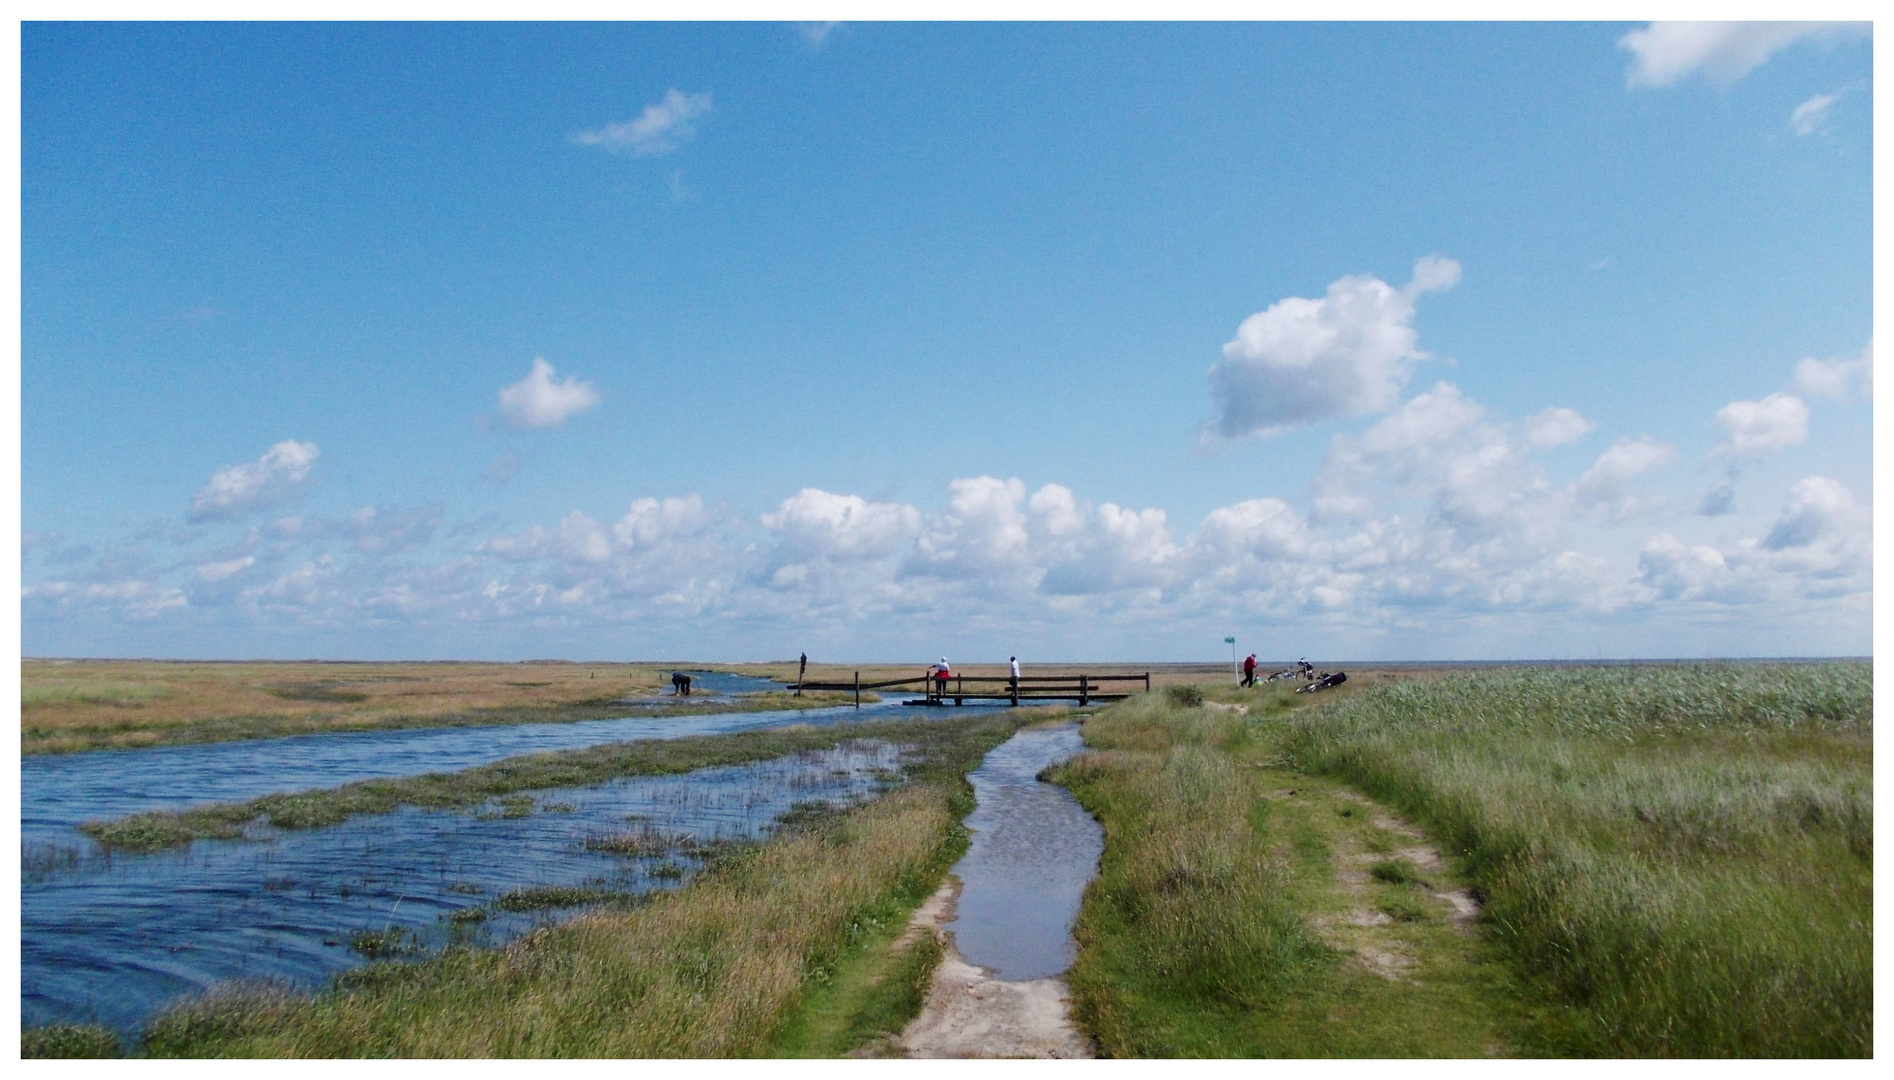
<point x="972" y="1013"/>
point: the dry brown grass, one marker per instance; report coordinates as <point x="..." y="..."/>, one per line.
<point x="70" y="705"/>
<point x="1161" y="674"/>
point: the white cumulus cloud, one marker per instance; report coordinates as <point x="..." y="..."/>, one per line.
<point x="1556" y="427"/>
<point x="1757" y="427"/>
<point x="650" y="522"/>
<point x="663" y="127"/>
<point x="1604" y="483"/>
<point x="243" y="489"/>
<point x="1837" y="378"/>
<point x="1820" y="548"/>
<point x="1665" y="53"/>
<point x="1818" y="510"/>
<point x="817" y="523"/>
<point x="1306" y="360"/>
<point x="538" y="401"/>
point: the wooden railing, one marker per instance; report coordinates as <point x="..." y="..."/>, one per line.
<point x="1085" y="687"/>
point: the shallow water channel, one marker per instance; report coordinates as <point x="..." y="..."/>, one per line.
<point x="110" y="939"/>
<point x="1033" y="851"/>
<point x="58" y="791"/>
<point x="116" y="939"/>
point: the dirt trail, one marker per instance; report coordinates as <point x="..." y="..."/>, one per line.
<point x="1362" y="931"/>
<point x="971" y="1013"/>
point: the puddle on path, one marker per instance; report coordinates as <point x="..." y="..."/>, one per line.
<point x="115" y="939"/>
<point x="1033" y="851"/>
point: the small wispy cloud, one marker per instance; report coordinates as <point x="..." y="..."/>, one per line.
<point x="538" y="401"/>
<point x="1665" y="53"/>
<point x="662" y="128"/>
<point x="1809" y="116"/>
<point x="816" y="34"/>
<point x="502" y="468"/>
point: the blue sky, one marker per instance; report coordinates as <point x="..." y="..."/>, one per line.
<point x="1080" y="342"/>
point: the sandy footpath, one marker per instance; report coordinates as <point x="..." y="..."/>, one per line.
<point x="971" y="1013"/>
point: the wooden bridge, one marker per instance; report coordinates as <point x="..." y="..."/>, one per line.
<point x="1084" y="688"/>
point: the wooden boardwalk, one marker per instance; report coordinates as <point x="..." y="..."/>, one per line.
<point x="960" y="689"/>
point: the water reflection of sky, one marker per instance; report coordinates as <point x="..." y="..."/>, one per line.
<point x="58" y="791"/>
<point x="115" y="939"/>
<point x="1033" y="851"/>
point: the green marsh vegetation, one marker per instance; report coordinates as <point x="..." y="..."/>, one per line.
<point x="499" y="783"/>
<point x="1233" y="915"/>
<point x="68" y="1041"/>
<point x="774" y="948"/>
<point x="1679" y="856"/>
<point x="1671" y="860"/>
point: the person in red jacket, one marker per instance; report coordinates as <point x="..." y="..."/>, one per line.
<point x="1249" y="670"/>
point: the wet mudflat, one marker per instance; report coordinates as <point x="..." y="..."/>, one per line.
<point x="1033" y="851"/>
<point x="110" y="940"/>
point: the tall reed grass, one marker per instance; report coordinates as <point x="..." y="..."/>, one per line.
<point x="1683" y="855"/>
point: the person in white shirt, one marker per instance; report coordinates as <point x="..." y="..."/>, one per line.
<point x="1015" y="662"/>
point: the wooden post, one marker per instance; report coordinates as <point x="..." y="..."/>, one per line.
<point x="1084" y="690"/>
<point x="858" y="689"/>
<point x="1147" y="681"/>
<point x="958" y="687"/>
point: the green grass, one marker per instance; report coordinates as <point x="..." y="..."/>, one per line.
<point x="743" y="961"/>
<point x="1394" y="872"/>
<point x="1200" y="936"/>
<point x="544" y="897"/>
<point x="500" y="781"/>
<point x="69" y="1041"/>
<point x="871" y="989"/>
<point x="386" y="942"/>
<point x="1679" y="857"/>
